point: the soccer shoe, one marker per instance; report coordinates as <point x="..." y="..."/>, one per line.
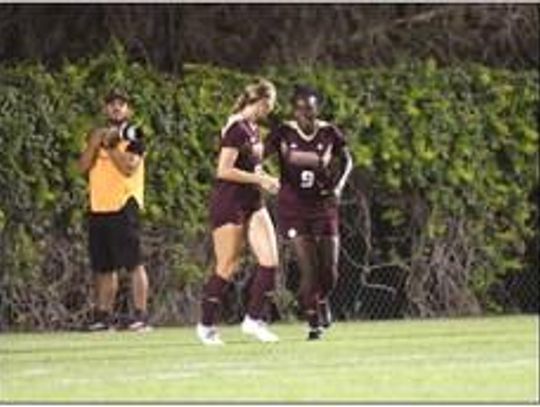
<point x="139" y="322"/>
<point x="99" y="326"/>
<point x="258" y="329"/>
<point x="102" y="321"/>
<point x="315" y="334"/>
<point x="208" y="335"/>
<point x="140" y="326"/>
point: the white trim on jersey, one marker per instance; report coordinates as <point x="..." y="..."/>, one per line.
<point x="319" y="124"/>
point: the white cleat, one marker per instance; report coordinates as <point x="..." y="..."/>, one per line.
<point x="209" y="335"/>
<point x="258" y="329"/>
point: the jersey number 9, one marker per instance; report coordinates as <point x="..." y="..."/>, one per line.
<point x="307" y="179"/>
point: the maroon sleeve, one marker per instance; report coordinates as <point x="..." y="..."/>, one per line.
<point x="235" y="136"/>
<point x="271" y="143"/>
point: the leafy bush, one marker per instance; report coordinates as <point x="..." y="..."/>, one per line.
<point x="450" y="155"/>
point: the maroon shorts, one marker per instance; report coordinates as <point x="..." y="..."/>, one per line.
<point x="220" y="216"/>
<point x="325" y="224"/>
<point x="229" y="205"/>
<point x="306" y="216"/>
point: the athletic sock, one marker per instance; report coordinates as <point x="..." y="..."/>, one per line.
<point x="212" y="295"/>
<point x="262" y="288"/>
<point x="312" y="318"/>
<point x="327" y="281"/>
<point x="308" y="300"/>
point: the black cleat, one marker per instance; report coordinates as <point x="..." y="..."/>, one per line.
<point x="100" y="326"/>
<point x="139" y="326"/>
<point x="139" y="323"/>
<point x="315" y="334"/>
<point x="102" y="322"/>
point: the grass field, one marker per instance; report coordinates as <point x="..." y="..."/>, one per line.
<point x="478" y="359"/>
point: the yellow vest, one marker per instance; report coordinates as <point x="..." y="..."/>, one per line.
<point x="109" y="188"/>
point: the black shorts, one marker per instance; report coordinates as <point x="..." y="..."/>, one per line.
<point x="114" y="239"/>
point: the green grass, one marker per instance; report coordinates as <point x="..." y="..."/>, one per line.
<point x="477" y="359"/>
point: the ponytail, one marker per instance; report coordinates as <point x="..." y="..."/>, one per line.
<point x="241" y="102"/>
<point x="253" y="93"/>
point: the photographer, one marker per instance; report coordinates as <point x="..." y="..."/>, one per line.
<point x="114" y="161"/>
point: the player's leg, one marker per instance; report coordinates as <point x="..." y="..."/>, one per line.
<point x="228" y="242"/>
<point x="263" y="243"/>
<point x="328" y="252"/>
<point x="305" y="250"/>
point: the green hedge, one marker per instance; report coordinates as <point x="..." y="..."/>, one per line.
<point x="463" y="138"/>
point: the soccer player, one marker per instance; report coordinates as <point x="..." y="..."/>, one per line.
<point x="308" y="149"/>
<point x="114" y="161"/>
<point x="238" y="213"/>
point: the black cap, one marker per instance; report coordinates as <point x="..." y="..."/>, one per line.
<point x="116" y="93"/>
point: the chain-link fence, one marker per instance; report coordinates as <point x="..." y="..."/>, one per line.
<point x="391" y="271"/>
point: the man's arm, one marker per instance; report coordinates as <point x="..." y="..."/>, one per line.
<point x="126" y="162"/>
<point x="89" y="155"/>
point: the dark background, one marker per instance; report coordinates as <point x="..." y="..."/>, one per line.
<point x="248" y="36"/>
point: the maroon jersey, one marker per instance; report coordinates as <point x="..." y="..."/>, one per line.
<point x="234" y="201"/>
<point x="306" y="181"/>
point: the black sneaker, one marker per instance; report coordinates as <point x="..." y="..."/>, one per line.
<point x="102" y="322"/>
<point x="139" y="323"/>
<point x="315" y="334"/>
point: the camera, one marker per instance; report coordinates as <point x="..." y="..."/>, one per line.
<point x="126" y="131"/>
<point x="130" y="132"/>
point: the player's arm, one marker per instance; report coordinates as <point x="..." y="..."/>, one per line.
<point x="345" y="156"/>
<point x="227" y="171"/>
<point x="88" y="157"/>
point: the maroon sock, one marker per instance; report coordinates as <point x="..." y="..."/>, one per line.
<point x="308" y="299"/>
<point x="312" y="318"/>
<point x="324" y="311"/>
<point x="212" y="295"/>
<point x="261" y="289"/>
<point x="327" y="282"/>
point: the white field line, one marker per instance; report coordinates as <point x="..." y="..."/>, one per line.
<point x="197" y="369"/>
<point x="32" y="372"/>
<point x="163" y="376"/>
